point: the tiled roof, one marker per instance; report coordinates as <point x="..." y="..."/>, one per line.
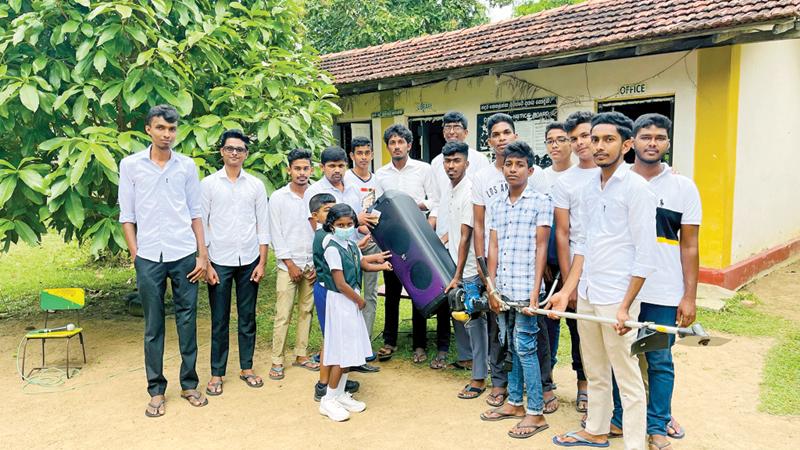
<point x="567" y="29"/>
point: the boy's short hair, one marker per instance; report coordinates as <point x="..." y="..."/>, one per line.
<point x="496" y="118"/>
<point x="519" y="149"/>
<point x="652" y="119"/>
<point x="337" y="211"/>
<point x="554" y="126"/>
<point x="398" y="130"/>
<point x="166" y="112"/>
<point x="360" y="141"/>
<point x="577" y="118"/>
<point x="333" y="153"/>
<point x="623" y="123"/>
<point x="451" y="148"/>
<point x="320" y="200"/>
<point x="234" y="134"/>
<point x="454" y="117"/>
<point x="298" y="153"/>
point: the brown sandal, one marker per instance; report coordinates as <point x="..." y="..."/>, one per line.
<point x="386" y="352"/>
<point x="496" y="400"/>
<point x="155" y="407"/>
<point x="193" y="394"/>
<point x="214" y="388"/>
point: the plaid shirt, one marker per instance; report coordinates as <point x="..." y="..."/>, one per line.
<point x="515" y="225"/>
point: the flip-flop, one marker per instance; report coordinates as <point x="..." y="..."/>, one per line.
<point x="579" y="441"/>
<point x="583" y="396"/>
<point x="386" y="352"/>
<point x="193" y="394"/>
<point x="419" y="357"/>
<point x="679" y="431"/>
<point x="217" y="385"/>
<point x="247" y="377"/>
<point x="499" y="417"/>
<point x="535" y="429"/>
<point x="156" y="407"/>
<point x="278" y="373"/>
<point x="465" y="393"/>
<point x="307" y="364"/>
<point x="651" y="444"/>
<point x="496" y="400"/>
<point x="439" y="362"/>
<point x="458" y="366"/>
<point x="611" y="434"/>
<point x="547" y="402"/>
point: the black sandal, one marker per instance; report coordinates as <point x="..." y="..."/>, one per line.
<point x="251" y="376"/>
<point x="217" y="385"/>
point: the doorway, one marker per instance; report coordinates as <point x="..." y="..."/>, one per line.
<point x="635" y="108"/>
<point x="428" y="137"/>
<point x="344" y="132"/>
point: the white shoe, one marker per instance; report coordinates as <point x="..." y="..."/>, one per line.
<point x="351" y="404"/>
<point x="333" y="409"/>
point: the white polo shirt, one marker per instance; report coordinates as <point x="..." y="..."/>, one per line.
<point x="566" y="195"/>
<point x="291" y="234"/>
<point x="477" y="161"/>
<point x="235" y="217"/>
<point x="364" y="187"/>
<point x="618" y="235"/>
<point x="678" y="204"/>
<point x="415" y="179"/>
<point x="458" y="203"/>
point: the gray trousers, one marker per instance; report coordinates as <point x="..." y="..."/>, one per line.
<point x="370" y="292"/>
<point x="463" y="341"/>
<point x="477" y="333"/>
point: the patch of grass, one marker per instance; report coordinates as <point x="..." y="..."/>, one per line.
<point x="740" y="317"/>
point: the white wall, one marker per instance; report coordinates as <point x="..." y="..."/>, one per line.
<point x="766" y="211"/>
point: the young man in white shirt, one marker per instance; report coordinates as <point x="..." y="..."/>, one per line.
<point x="614" y="254"/>
<point x="486" y="185"/>
<point x="292" y="238"/>
<point x="566" y="198"/>
<point x="458" y="202"/>
<point x="361" y="177"/>
<point x="414" y="178"/>
<point x="455" y="130"/>
<point x="236" y="219"/>
<point x="669" y="295"/>
<point x="160" y="213"/>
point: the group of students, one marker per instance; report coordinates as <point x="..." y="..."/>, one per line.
<point x="603" y="225"/>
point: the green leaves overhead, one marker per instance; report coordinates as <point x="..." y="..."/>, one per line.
<point x="77" y="78"/>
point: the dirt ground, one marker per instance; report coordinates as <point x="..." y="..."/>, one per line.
<point x="778" y="291"/>
<point x="408" y="406"/>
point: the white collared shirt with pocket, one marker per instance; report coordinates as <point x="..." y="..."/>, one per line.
<point x="415" y="179"/>
<point x="290" y="232"/>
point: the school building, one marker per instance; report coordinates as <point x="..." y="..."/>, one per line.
<point x="727" y="73"/>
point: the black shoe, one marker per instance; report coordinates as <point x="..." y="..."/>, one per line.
<point x="366" y="368"/>
<point x="321" y="389"/>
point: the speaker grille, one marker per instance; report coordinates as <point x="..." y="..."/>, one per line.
<point x="421" y="275"/>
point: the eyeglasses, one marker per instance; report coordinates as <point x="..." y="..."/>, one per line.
<point x="455" y="127"/>
<point x="229" y="149"/>
<point x="561" y="140"/>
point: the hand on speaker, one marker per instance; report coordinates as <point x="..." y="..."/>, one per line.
<point x="368" y="218"/>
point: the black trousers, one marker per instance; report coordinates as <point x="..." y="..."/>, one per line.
<point x="543" y="354"/>
<point x="219" y="297"/>
<point x="554" y="330"/>
<point x="419" y="323"/>
<point x="151" y="278"/>
<point x="497" y="353"/>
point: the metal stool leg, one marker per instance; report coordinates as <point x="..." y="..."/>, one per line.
<point x="68" y="341"/>
<point x="24" y="353"/>
<point x="83" y="347"/>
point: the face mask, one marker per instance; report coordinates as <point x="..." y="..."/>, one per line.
<point x="344" y="233"/>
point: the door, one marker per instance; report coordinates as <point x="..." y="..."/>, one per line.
<point x="428" y="137"/>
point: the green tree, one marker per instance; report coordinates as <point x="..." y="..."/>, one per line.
<point x="337" y="25"/>
<point x="534" y="6"/>
<point x="77" y="77"/>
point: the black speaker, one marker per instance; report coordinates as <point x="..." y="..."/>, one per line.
<point x="420" y="260"/>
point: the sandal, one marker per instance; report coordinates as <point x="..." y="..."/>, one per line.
<point x="154" y="407"/>
<point x="386" y="352"/>
<point x="469" y="392"/>
<point x="251" y="376"/>
<point x="579" y="441"/>
<point x="582" y="397"/>
<point x="193" y="394"/>
<point x="496" y="400"/>
<point x="534" y="429"/>
<point x="674" y="429"/>
<point x="652" y="445"/>
<point x="548" y="402"/>
<point x="307" y="364"/>
<point x="214" y="388"/>
<point x="439" y="362"/>
<point x="486" y="417"/>
<point x="419" y="356"/>
<point x="458" y="366"/>
<point x="276" y="373"/>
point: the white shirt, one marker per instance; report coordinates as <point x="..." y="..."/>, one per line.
<point x="415" y="179"/>
<point x="364" y="187"/>
<point x="236" y="218"/>
<point x="678" y="204"/>
<point x="162" y="203"/>
<point x="566" y="195"/>
<point x="490" y="181"/>
<point x="550" y="178"/>
<point x="291" y="234"/>
<point x="459" y="209"/>
<point x="349" y="196"/>
<point x="617" y="239"/>
<point x="477" y="161"/>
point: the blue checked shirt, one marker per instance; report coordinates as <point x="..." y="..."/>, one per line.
<point x="515" y="225"/>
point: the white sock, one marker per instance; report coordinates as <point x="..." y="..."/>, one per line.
<point x="331" y="393"/>
<point x="342" y="384"/>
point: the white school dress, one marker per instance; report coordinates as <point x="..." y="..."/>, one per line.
<point x="347" y="342"/>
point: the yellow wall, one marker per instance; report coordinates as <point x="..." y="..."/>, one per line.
<point x="715" y="149"/>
